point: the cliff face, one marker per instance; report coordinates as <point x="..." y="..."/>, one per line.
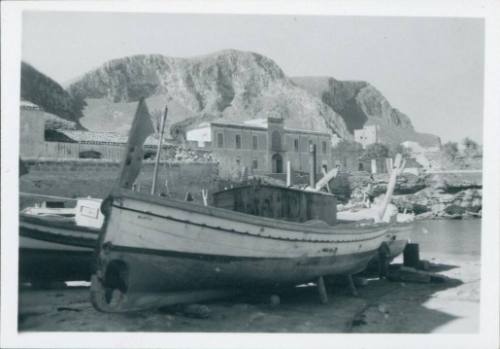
<point x="360" y="104"/>
<point x="232" y="85"/>
<point x="235" y="85"/>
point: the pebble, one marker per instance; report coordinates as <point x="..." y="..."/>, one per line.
<point x="198" y="311"/>
<point x="382" y="308"/>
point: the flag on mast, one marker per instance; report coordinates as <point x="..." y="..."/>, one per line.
<point x="142" y="128"/>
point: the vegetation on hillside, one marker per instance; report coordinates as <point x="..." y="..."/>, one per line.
<point x="48" y="94"/>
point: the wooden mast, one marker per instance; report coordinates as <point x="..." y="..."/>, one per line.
<point x="158" y="150"/>
<point x="399" y="165"/>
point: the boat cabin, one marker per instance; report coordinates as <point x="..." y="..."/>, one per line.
<point x="277" y="202"/>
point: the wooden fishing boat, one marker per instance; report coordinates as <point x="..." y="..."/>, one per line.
<point x="153" y="245"/>
<point x="57" y="243"/>
<point x="155" y="251"/>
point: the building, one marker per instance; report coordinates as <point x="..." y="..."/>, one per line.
<point x="37" y="141"/>
<point x="367" y="135"/>
<point x="32" y="128"/>
<point x="262" y="146"/>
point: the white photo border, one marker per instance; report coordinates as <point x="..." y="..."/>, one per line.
<point x="11" y="34"/>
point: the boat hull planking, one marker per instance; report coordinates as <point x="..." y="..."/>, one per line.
<point x="155" y="245"/>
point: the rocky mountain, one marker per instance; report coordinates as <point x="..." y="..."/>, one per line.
<point x="360" y="104"/>
<point x="232" y="85"/>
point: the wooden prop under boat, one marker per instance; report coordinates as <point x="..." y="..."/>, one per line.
<point x="154" y="251"/>
<point x="58" y="244"/>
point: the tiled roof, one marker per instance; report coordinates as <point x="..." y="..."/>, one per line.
<point x="260" y="124"/>
<point x="28" y="105"/>
<point x="102" y="137"/>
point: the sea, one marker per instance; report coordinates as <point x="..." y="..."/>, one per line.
<point x="459" y="238"/>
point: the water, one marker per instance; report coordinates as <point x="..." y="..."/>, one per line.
<point x="451" y="237"/>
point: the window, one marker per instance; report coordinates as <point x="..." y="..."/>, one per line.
<point x="296" y="144"/>
<point x="220" y="140"/>
<point x="255" y="164"/>
<point x="310" y="145"/>
<point x="90" y="154"/>
<point x="276" y="141"/>
<point x="323" y="147"/>
<point x="238" y="141"/>
<point x="255" y="142"/>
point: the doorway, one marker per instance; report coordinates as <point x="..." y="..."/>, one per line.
<point x="277" y="162"/>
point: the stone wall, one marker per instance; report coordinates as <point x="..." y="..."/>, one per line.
<point x="76" y="178"/>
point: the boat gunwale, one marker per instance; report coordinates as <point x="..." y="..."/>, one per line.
<point x="66" y="240"/>
<point x="264" y="185"/>
<point x="46" y="222"/>
<point x="345" y="228"/>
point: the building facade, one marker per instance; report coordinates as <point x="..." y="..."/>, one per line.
<point x="262" y="146"/>
<point x="367" y="135"/>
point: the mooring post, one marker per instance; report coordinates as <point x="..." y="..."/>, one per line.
<point x="352" y="287"/>
<point x="323" y="296"/>
<point x="411" y="255"/>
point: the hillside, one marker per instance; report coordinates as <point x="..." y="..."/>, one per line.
<point x="232" y="85"/>
<point x="360" y="104"/>
<point x="48" y="94"/>
<point x="237" y="86"/>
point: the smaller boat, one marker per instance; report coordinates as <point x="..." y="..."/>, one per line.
<point x="56" y="243"/>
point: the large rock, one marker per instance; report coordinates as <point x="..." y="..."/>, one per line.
<point x="439" y="203"/>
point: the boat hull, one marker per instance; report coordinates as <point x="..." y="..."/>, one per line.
<point x="54" y="249"/>
<point x="154" y="245"/>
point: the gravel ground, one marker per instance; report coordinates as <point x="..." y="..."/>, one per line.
<point x="382" y="307"/>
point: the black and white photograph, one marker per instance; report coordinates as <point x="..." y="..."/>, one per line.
<point x="242" y="173"/>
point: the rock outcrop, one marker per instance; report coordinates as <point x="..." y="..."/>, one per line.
<point x="235" y="85"/>
<point x="361" y="104"/>
<point x="230" y="84"/>
<point x="427" y="196"/>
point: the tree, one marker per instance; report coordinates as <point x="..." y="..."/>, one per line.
<point x="471" y="148"/>
<point x="345" y="146"/>
<point x="375" y="151"/>
<point x="400" y="149"/>
<point x="450" y="150"/>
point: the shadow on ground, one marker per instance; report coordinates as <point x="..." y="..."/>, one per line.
<point x="382" y="307"/>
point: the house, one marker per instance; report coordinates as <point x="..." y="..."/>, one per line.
<point x="367" y="135"/>
<point x="263" y="146"/>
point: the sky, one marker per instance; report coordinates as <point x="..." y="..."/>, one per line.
<point x="429" y="68"/>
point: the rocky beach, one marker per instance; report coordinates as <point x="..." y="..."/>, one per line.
<point x="428" y="196"/>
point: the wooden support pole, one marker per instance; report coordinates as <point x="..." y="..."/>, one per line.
<point x="352" y="287"/>
<point x="323" y="296"/>
<point x="204" y="195"/>
<point x="399" y="165"/>
<point x="312" y="167"/>
<point x="383" y="263"/>
<point x="288" y="173"/>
